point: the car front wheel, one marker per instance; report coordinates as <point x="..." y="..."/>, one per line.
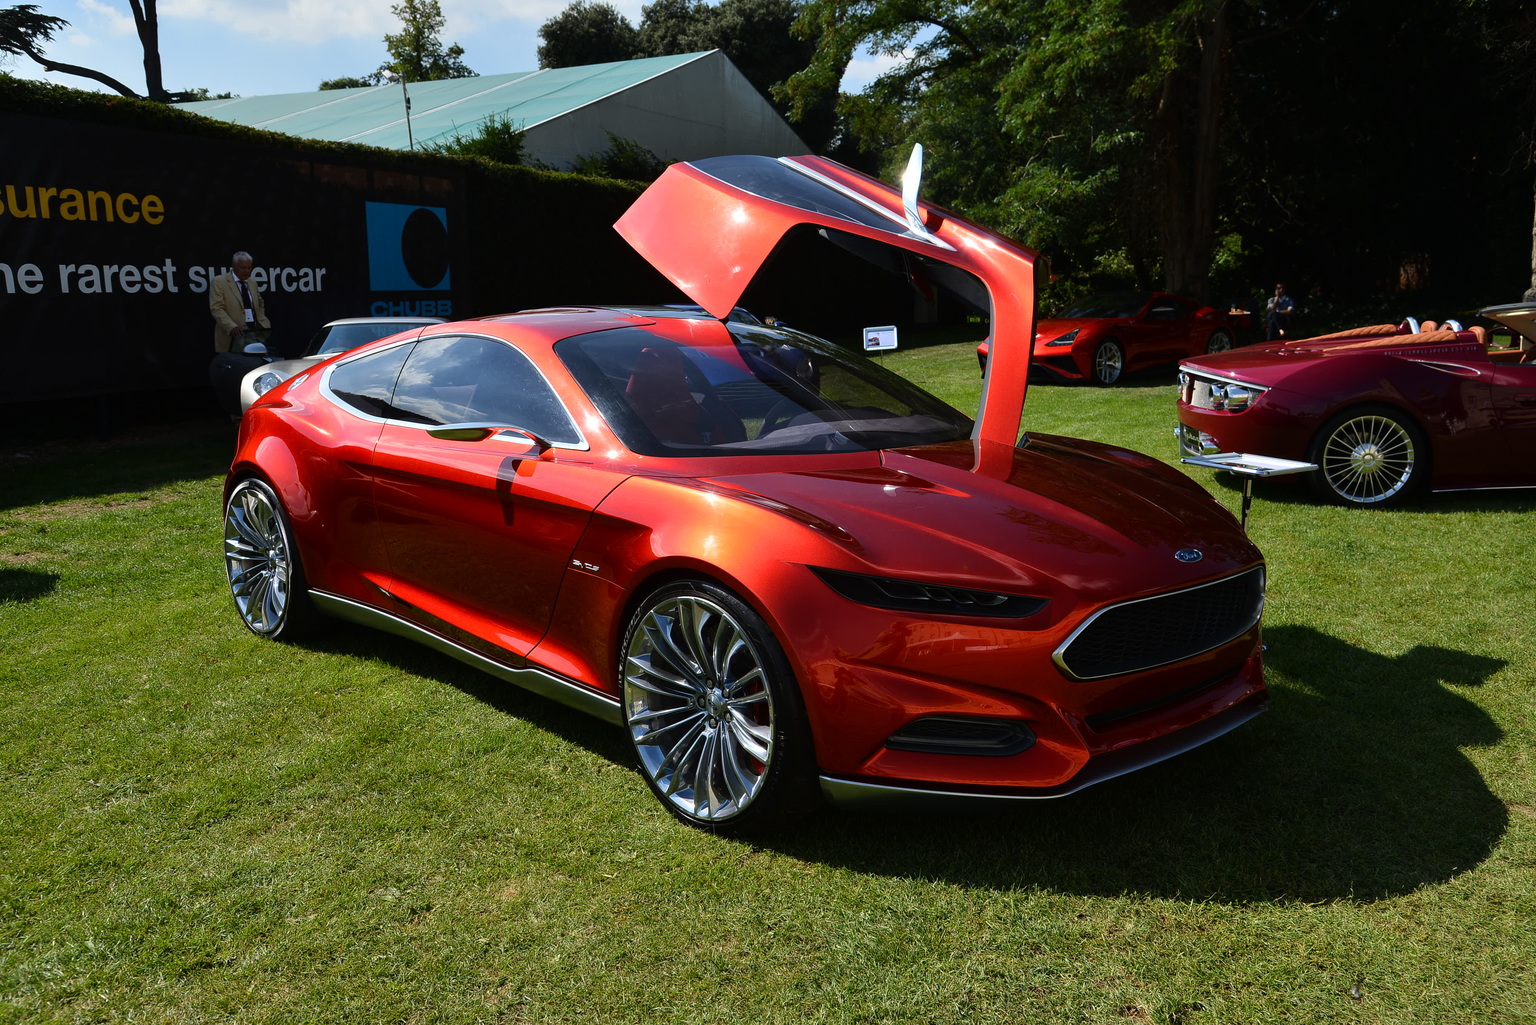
<point x="261" y="561"/>
<point x="714" y="712"/>
<point x="1372" y="456"/>
<point x="1220" y="341"/>
<point x="1108" y="363"/>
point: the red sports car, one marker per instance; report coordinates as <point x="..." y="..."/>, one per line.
<point x="784" y="572"/>
<point x="1107" y="336"/>
<point x="1384" y="411"/>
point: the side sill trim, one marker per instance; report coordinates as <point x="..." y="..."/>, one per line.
<point x="539" y="682"/>
<point x="866" y="796"/>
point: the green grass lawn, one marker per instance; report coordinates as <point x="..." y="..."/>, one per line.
<point x="199" y="826"/>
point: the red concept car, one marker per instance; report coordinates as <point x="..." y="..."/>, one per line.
<point x="1107" y="336"/>
<point x="1383" y="411"/>
<point x="783" y="571"/>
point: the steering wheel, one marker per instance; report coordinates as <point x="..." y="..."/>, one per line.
<point x="782" y="412"/>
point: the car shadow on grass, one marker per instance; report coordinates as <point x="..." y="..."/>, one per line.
<point x="587" y="731"/>
<point x="1353" y="787"/>
<point x="20" y="586"/>
<point x="139" y="461"/>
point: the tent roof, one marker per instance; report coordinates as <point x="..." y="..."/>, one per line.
<point x="375" y="115"/>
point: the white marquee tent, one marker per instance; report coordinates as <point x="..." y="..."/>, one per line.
<point x="684" y="107"/>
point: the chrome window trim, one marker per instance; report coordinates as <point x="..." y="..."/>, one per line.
<point x="1059" y="657"/>
<point x="325" y="389"/>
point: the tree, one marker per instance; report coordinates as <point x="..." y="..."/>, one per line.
<point x="624" y="158"/>
<point x="497" y="138"/>
<point x="346" y="82"/>
<point x="22" y="29"/>
<point x="416" y="53"/>
<point x="1161" y="142"/>
<point x="587" y="32"/>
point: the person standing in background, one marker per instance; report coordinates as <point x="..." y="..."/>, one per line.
<point x="236" y="305"/>
<point x="1279" y="310"/>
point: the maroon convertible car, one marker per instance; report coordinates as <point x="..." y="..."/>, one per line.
<point x="1384" y="411"/>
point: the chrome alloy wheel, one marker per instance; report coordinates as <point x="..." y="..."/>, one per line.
<point x="258" y="557"/>
<point x="1368" y="459"/>
<point x="699" y="707"/>
<point x="1108" y="362"/>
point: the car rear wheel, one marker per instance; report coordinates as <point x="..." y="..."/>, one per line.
<point x="1220" y="341"/>
<point x="1108" y="363"/>
<point x="1371" y="456"/>
<point x="714" y="712"/>
<point x="266" y="578"/>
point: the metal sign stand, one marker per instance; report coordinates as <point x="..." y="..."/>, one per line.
<point x="1249" y="467"/>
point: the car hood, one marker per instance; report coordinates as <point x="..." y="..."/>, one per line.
<point x="1269" y="365"/>
<point x="1055" y="327"/>
<point x="286" y="368"/>
<point x="1070" y="517"/>
<point x="1518" y="317"/>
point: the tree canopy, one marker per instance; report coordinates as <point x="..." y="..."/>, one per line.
<point x="23" y="31"/>
<point x="1193" y="144"/>
<point x="416" y="52"/>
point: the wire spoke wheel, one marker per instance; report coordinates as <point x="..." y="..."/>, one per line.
<point x="1369" y="458"/>
<point x="261" y="563"/>
<point x="706" y="705"/>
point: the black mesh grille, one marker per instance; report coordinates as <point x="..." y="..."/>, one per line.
<point x="1169" y="627"/>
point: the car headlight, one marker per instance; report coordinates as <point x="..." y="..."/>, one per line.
<point x="1066" y="339"/>
<point x="933" y="599"/>
<point x="1233" y="397"/>
<point x="266" y="382"/>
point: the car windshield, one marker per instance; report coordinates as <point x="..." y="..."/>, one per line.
<point x="769" y="391"/>
<point x="1102" y="307"/>
<point x="334" y="338"/>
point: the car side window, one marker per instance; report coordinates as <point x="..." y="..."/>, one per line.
<point x="367" y="383"/>
<point x="467" y="379"/>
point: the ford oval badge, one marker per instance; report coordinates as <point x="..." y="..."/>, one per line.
<point x="1189" y="555"/>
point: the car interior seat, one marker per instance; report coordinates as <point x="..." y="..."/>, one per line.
<point x="673" y="407"/>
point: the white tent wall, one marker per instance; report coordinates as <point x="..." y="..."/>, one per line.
<point x="705" y="108"/>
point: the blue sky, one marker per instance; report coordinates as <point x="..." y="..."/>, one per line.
<point x="288" y="46"/>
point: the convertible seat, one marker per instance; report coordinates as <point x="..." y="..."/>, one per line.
<point x="661" y="395"/>
<point x="1373" y="331"/>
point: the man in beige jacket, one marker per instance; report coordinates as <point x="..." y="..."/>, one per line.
<point x="236" y="305"/>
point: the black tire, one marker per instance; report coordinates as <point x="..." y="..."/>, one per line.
<point x="714" y="713"/>
<point x="1220" y="341"/>
<point x="266" y="578"/>
<point x="1369" y="457"/>
<point x="1108" y="363"/>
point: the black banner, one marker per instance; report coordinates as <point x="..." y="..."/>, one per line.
<point x="109" y="238"/>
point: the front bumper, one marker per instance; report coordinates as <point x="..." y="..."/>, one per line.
<point x="867" y="795"/>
